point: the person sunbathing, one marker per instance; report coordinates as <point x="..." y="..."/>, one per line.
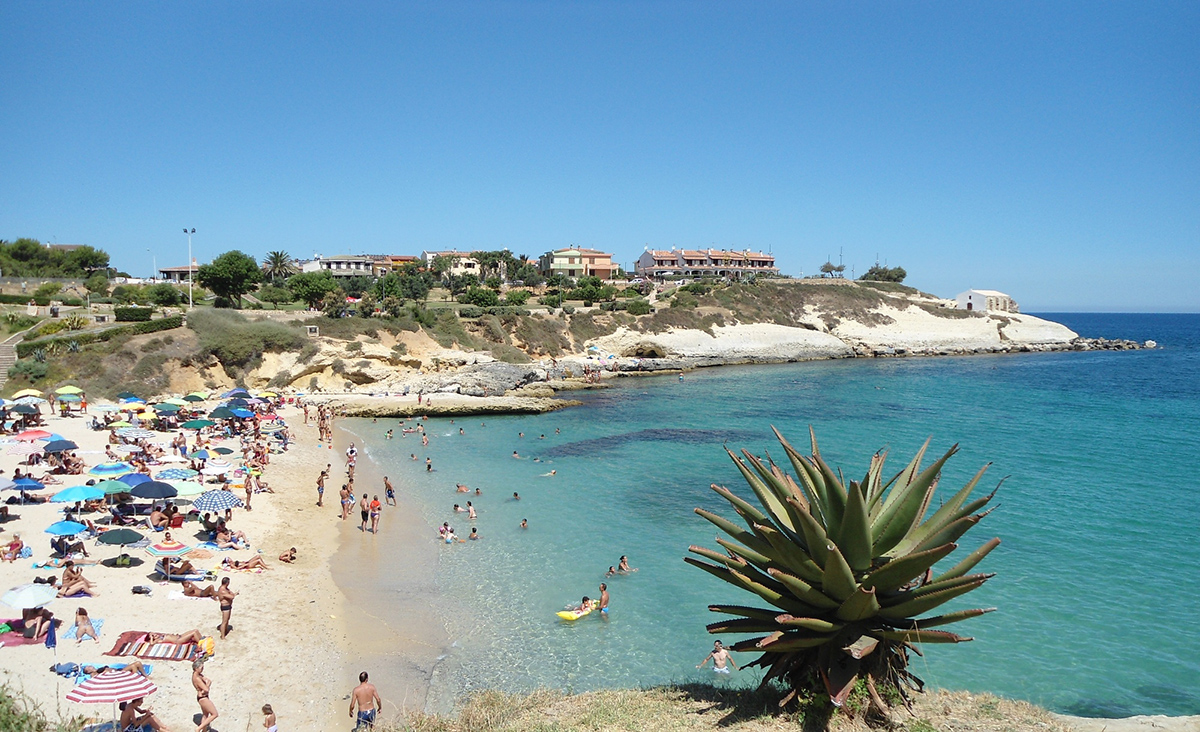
<point x="227" y="539"/>
<point x="133" y="666"/>
<point x="183" y="567"/>
<point x="254" y="562"/>
<point x="13" y="552"/>
<point x="192" y="636"/>
<point x="84" y="627"/>
<point x="157" y="519"/>
<point x="191" y="589"/>
<point x="40" y="618"/>
<point x="65" y="548"/>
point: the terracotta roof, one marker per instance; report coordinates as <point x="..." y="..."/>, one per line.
<point x="719" y="255"/>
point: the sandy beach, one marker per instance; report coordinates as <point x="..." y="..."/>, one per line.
<point x="289" y="623"/>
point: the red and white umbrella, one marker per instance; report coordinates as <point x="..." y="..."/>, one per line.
<point x="168" y="549"/>
<point x="31" y="435"/>
<point x="112" y="687"/>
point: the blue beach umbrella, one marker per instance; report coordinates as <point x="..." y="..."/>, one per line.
<point x="217" y="500"/>
<point x="238" y="392"/>
<point x="243" y="413"/>
<point x="176" y="474"/>
<point x="153" y="489"/>
<point x="200" y="455"/>
<point x="65" y="528"/>
<point x="78" y="493"/>
<point x="111" y="469"/>
<point x="132" y="479"/>
<point x="28" y="484"/>
<point x="60" y="446"/>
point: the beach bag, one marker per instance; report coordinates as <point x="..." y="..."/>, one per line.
<point x="65" y="669"/>
<point x="207" y="646"/>
<point x="140" y="590"/>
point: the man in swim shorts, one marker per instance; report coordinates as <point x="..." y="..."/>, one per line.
<point x="719" y="657"/>
<point x="604" y="601"/>
<point x="367" y="699"/>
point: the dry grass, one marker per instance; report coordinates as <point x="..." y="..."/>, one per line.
<point x="706" y="707"/>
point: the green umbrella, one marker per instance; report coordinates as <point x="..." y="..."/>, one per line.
<point x="221" y="413"/>
<point x="120" y="536"/>
<point x="166" y="408"/>
<point x="193" y="398"/>
<point x="112" y="487"/>
<point x="197" y="424"/>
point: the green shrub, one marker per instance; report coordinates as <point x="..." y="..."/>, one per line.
<point x="568" y="309"/>
<point x="554" y="301"/>
<point x="400" y="349"/>
<point x="236" y="341"/>
<point x="470" y="311"/>
<point x="516" y="297"/>
<point x="28" y="371"/>
<point x="132" y="314"/>
<point x="48" y="289"/>
<point x="49" y="328"/>
<point x="480" y="296"/>
<point x="505" y="310"/>
<point x="639" y="307"/>
<point x="684" y="300"/>
<point x="354" y="346"/>
<point x="164" y="295"/>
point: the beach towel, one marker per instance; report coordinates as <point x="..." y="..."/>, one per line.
<point x="97" y="623"/>
<point x="81" y="677"/>
<point x="212" y="546"/>
<point x="134" y="643"/>
<point x="178" y="595"/>
<point x="256" y="570"/>
<point x="16" y="637"/>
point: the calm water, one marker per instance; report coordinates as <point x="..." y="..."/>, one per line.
<point x="1097" y="579"/>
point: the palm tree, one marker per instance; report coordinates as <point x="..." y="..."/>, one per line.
<point x="279" y="266"/>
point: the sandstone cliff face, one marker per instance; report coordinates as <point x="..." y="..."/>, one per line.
<point x="763" y="342"/>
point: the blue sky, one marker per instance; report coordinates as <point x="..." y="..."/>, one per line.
<point x="1051" y="150"/>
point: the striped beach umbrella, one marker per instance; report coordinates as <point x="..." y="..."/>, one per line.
<point x="217" y="500"/>
<point x="136" y="433"/>
<point x="24" y="448"/>
<point x="168" y="549"/>
<point x="112" y="687"/>
<point x="111" y="469"/>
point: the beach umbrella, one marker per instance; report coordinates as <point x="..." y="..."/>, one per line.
<point x="217" y="500"/>
<point x="200" y="455"/>
<point x="136" y="433"/>
<point x="108" y="408"/>
<point x="111" y="469"/>
<point x="60" y="446"/>
<point x="27" y="597"/>
<point x="239" y="402"/>
<point x="176" y="474"/>
<point x="120" y="536"/>
<point x="186" y="488"/>
<point x="217" y="467"/>
<point x="197" y="424"/>
<point x="27" y="392"/>
<point x="221" y="413"/>
<point x="31" y="400"/>
<point x="65" y="528"/>
<point x="28" y="484"/>
<point x="25" y="409"/>
<point x="112" y="487"/>
<point x="132" y="479"/>
<point x="154" y="489"/>
<point x="166" y="408"/>
<point x="7" y="485"/>
<point x="222" y="451"/>
<point x="242" y="413"/>
<point x="70" y="398"/>
<point x="176" y="401"/>
<point x="31" y="435"/>
<point x="112" y="687"/>
<point x="193" y="397"/>
<point x="24" y="448"/>
<point x="118" y="423"/>
<point x="127" y="395"/>
<point x="78" y="493"/>
<point x="272" y="428"/>
<point x="168" y="549"/>
<point x="238" y="392"/>
<point x="268" y="394"/>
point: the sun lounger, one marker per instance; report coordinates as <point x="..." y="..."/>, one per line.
<point x="177" y="577"/>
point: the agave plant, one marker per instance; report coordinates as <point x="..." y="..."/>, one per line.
<point x="847" y="569"/>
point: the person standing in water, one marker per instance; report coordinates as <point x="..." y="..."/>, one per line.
<point x="604" y="601"/>
<point x="720" y="656"/>
<point x="389" y="492"/>
<point x="375" y="508"/>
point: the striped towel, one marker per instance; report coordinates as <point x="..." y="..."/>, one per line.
<point x="97" y="623"/>
<point x="134" y="643"/>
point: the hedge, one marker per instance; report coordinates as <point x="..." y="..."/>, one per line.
<point x="42" y="300"/>
<point x="133" y="314"/>
<point x="24" y="350"/>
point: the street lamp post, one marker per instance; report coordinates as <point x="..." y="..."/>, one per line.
<point x="189" y="264"/>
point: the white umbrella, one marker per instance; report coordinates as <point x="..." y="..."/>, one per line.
<point x="25" y="597"/>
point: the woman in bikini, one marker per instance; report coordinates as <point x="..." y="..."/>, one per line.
<point x="83" y="627"/>
<point x="135" y="719"/>
<point x="375" y="508"/>
<point x="73" y="582"/>
<point x="255" y="562"/>
<point x="208" y="710"/>
<point x="192" y="636"/>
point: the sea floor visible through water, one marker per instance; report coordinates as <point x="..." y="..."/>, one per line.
<point x="1096" y="579"/>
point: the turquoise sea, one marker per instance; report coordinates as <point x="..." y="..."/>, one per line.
<point x="1097" y="580"/>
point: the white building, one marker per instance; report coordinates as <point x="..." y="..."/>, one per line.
<point x="463" y="262"/>
<point x="986" y="301"/>
<point x="347" y="265"/>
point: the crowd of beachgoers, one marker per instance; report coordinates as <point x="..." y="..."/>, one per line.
<point x="110" y="502"/>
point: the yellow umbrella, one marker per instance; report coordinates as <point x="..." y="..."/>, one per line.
<point x="68" y="390"/>
<point x="148" y="414"/>
<point x="268" y="394"/>
<point x="27" y="392"/>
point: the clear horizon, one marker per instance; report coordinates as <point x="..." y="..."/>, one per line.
<point x="1050" y="152"/>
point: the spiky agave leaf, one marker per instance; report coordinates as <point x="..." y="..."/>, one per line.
<point x="849" y="564"/>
